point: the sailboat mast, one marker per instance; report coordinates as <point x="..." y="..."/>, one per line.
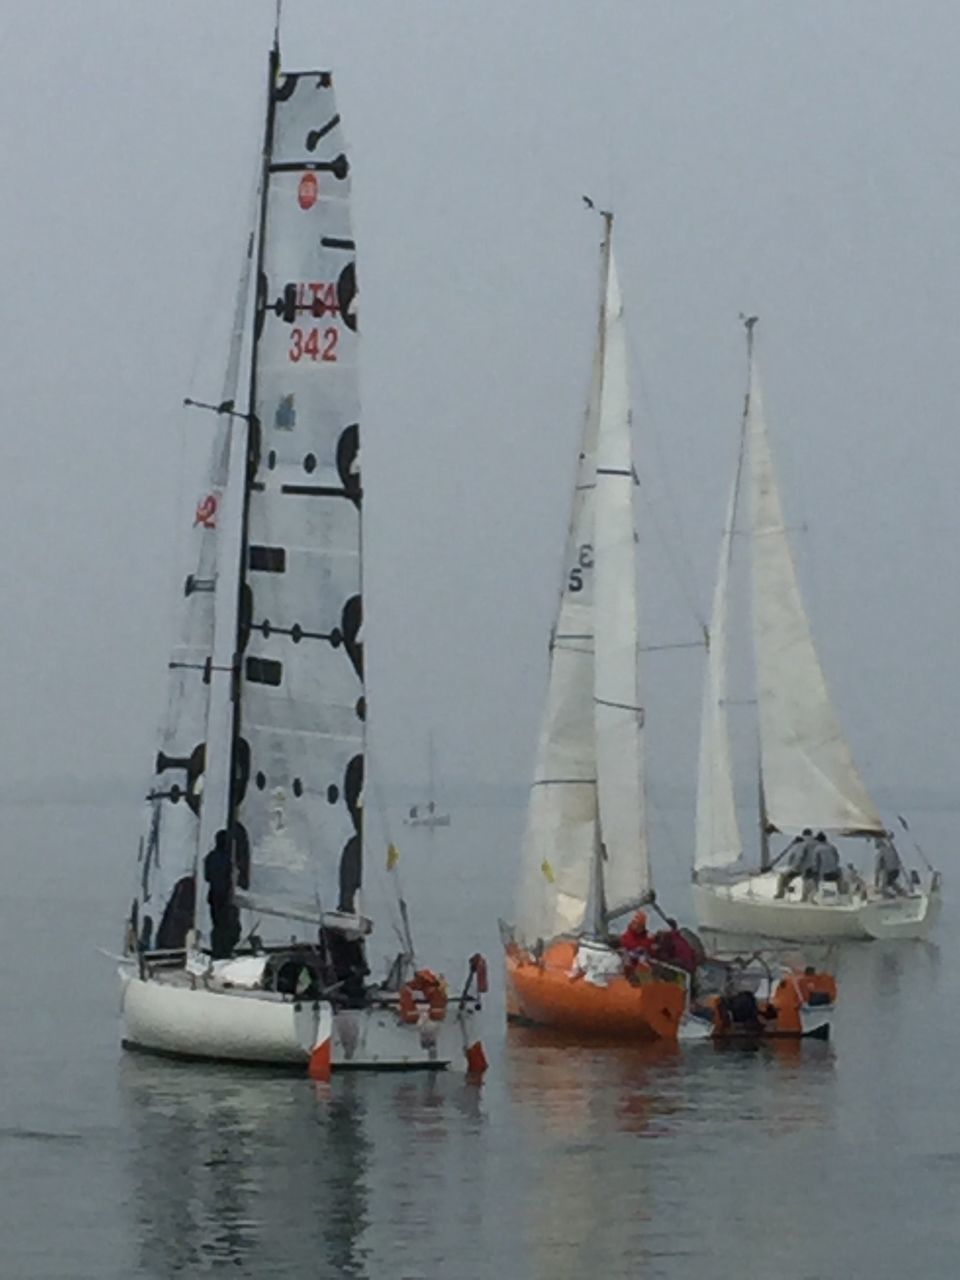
<point x="253" y="433"/>
<point x="595" y="920"/>
<point x="749" y="323"/>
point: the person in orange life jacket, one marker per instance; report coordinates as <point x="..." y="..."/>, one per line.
<point x="635" y="939"/>
<point x="673" y="948"/>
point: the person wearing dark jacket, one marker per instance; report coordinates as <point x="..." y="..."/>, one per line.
<point x="224" y="916"/>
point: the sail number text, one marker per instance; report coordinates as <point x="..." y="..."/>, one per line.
<point x="584" y="562"/>
<point x="313" y="344"/>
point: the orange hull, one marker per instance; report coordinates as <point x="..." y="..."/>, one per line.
<point x="543" y="993"/>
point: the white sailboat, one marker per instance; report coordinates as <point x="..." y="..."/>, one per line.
<point x="246" y="939"/>
<point x="808" y="779"/>
<point x="428" y="815"/>
<point x="585" y="861"/>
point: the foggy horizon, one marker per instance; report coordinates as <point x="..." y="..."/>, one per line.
<point x="795" y="163"/>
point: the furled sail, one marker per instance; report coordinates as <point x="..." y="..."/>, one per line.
<point x="299" y="735"/>
<point x="586" y="803"/>
<point x="618" y="712"/>
<point x="718" y="840"/>
<point x="809" y="777"/>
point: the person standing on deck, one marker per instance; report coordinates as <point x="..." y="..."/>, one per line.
<point x="828" y="862"/>
<point x="798" y="854"/>
<point x="887" y="869"/>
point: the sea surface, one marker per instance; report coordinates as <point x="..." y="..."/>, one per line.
<point x="798" y="1161"/>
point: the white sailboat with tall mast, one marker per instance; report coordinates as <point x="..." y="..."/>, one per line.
<point x="808" y="781"/>
<point x="427" y="814"/>
<point x="585" y="861"/>
<point x="246" y="938"/>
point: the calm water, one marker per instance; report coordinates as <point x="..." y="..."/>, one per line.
<point x="802" y="1161"/>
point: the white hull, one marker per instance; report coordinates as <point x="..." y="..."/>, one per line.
<point x="749" y="906"/>
<point x="166" y="1015"/>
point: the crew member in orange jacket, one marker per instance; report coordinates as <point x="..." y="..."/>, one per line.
<point x="635" y="939"/>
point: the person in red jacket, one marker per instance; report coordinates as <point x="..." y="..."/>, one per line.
<point x="635" y="939"/>
<point x="673" y="948"/>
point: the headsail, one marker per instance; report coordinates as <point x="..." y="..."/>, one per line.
<point x="587" y="797"/>
<point x="718" y="839"/>
<point x="561" y="833"/>
<point x="188" y="792"/>
<point x="299" y="740"/>
<point x="809" y="777"/>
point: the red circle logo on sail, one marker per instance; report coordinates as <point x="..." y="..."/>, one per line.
<point x="206" y="515"/>
<point x="308" y="191"/>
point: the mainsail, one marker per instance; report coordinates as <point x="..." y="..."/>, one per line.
<point x="809" y="777"/>
<point x="298" y="757"/>
<point x="586" y="802"/>
<point x="262" y="750"/>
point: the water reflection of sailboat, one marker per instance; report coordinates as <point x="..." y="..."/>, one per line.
<point x="210" y="1171"/>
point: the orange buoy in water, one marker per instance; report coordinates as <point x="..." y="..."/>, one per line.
<point x="476" y="1059"/>
<point x="319" y="1065"/>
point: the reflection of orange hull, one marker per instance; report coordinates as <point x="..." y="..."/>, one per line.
<point x="543" y="993"/>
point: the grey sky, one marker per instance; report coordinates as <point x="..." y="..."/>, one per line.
<point x="797" y="160"/>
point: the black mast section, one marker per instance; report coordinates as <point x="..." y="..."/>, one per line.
<point x="239" y="755"/>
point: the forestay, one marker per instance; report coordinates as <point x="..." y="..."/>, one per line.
<point x="809" y="776"/>
<point x="299" y="758"/>
<point x="592" y="725"/>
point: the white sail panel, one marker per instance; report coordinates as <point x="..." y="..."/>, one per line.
<point x="718" y="840"/>
<point x="561" y="831"/>
<point x="809" y="776"/>
<point x="619" y="716"/>
<point x="302" y="695"/>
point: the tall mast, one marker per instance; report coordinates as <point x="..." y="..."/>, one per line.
<point x="749" y="323"/>
<point x="253" y="427"/>
<point x="595" y="920"/>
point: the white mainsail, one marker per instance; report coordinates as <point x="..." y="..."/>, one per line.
<point x="587" y="797"/>
<point x="809" y="777"/>
<point x="718" y="839"/>
<point x="618" y="711"/>
<point x="300" y="733"/>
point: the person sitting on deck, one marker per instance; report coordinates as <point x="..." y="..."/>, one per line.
<point x="635" y="939"/>
<point x="797" y="855"/>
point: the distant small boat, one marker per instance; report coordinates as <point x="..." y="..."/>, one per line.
<point x="246" y="940"/>
<point x="427" y="815"/>
<point x="807" y="776"/>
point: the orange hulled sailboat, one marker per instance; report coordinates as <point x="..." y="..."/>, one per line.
<point x="585" y="861"/>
